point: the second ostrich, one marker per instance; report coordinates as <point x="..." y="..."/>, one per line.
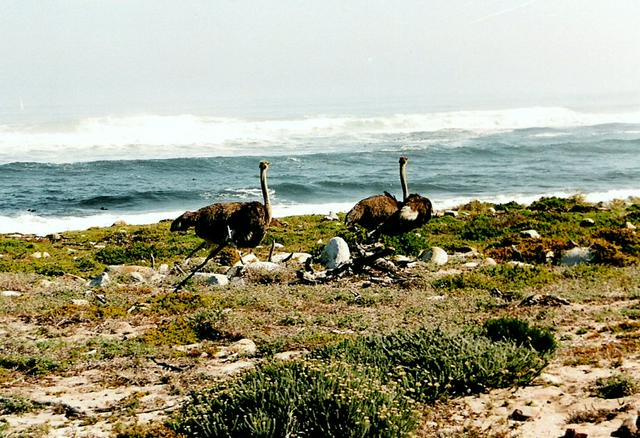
<point x="373" y="211"/>
<point x="240" y="224"/>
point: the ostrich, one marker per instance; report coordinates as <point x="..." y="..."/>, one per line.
<point x="373" y="211"/>
<point x="414" y="211"/>
<point x="241" y="224"/>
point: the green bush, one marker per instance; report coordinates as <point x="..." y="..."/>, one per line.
<point x="616" y="386"/>
<point x="34" y="366"/>
<point x="306" y="398"/>
<point x="521" y="333"/>
<point x="409" y="244"/>
<point x="432" y="364"/>
<point x="15" y="405"/>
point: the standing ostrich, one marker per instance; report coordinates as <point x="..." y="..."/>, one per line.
<point x="241" y="224"/>
<point x="373" y="211"/>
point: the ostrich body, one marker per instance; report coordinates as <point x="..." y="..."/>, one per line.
<point x="415" y="211"/>
<point x="240" y="224"/>
<point x="373" y="211"/>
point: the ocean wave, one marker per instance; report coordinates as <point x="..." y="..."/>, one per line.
<point x="156" y="136"/>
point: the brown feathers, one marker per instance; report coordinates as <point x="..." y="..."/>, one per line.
<point x="372" y="211"/>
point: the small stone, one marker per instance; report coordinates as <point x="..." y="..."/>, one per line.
<point x="331" y="217"/>
<point x="587" y="222"/>
<point x="471" y="265"/>
<point x="278" y="245"/>
<point x="99" y="281"/>
<point x="571" y="433"/>
<point x="629" y="226"/>
<point x="530" y="234"/>
<point x="10" y="293"/>
<point x="288" y="355"/>
<point x="54" y="237"/>
<point x="163" y="269"/>
<point x="519" y="415"/>
<point x="262" y="267"/>
<point x="37" y="255"/>
<point x="244" y="347"/>
<point x="80" y="302"/>
<point x="335" y="253"/>
<point x="489" y="262"/>
<point x="517" y="264"/>
<point x="218" y="280"/>
<point x="137" y="277"/>
<point x="435" y="255"/>
<point x="299" y="257"/>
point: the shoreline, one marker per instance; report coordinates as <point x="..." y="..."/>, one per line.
<point x="36" y="225"/>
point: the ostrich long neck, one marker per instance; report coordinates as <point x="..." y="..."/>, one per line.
<point x="265" y="193"/>
<point x="403" y="181"/>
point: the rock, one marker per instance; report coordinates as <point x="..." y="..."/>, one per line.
<point x="471" y="265"/>
<point x="491" y="210"/>
<point x="331" y="217"/>
<point x="246" y="259"/>
<point x="515" y="263"/>
<point x="576" y="256"/>
<point x="80" y="302"/>
<point x="435" y="255"/>
<point x="137" y="277"/>
<point x="157" y="278"/>
<point x="451" y="213"/>
<point x="299" y="257"/>
<point x="218" y="280"/>
<point x="10" y="293"/>
<point x="530" y="234"/>
<point x="522" y="414"/>
<point x="54" y="237"/>
<point x="335" y="253"/>
<point x="545" y="300"/>
<point x="119" y="223"/>
<point x="489" y="262"/>
<point x="277" y="245"/>
<point x="629" y="226"/>
<point x="144" y="271"/>
<point x="549" y="379"/>
<point x="40" y="255"/>
<point x="262" y="266"/>
<point x="629" y="427"/>
<point x="587" y="222"/>
<point x="45" y="284"/>
<point x="244" y="347"/>
<point x="163" y="269"/>
<point x="100" y="281"/>
<point x="289" y="355"/>
<point x="571" y="433"/>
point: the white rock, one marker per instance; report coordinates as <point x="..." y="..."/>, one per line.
<point x="101" y="280"/>
<point x="137" y="277"/>
<point x="163" y="269"/>
<point x="471" y="265"/>
<point x="288" y="355"/>
<point x="278" y="245"/>
<point x="531" y="234"/>
<point x="300" y="257"/>
<point x="218" y="280"/>
<point x="489" y="262"/>
<point x="244" y="347"/>
<point x="119" y="223"/>
<point x="515" y="263"/>
<point x="39" y="255"/>
<point x="629" y="226"/>
<point x="587" y="222"/>
<point x="144" y="271"/>
<point x="10" y="293"/>
<point x="331" y="217"/>
<point x="157" y="278"/>
<point x="246" y="259"/>
<point x="576" y="256"/>
<point x="263" y="266"/>
<point x="80" y="302"/>
<point x="435" y="255"/>
<point x="335" y="253"/>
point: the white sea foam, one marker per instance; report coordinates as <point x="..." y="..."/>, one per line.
<point x="154" y="136"/>
<point x="41" y="226"/>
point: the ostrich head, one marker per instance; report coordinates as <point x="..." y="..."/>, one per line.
<point x="183" y="222"/>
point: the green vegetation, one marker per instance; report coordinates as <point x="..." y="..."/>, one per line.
<point x="615" y="386"/>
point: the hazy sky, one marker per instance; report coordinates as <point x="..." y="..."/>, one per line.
<point x="139" y="52"/>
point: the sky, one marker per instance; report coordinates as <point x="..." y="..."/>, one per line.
<point x="144" y="53"/>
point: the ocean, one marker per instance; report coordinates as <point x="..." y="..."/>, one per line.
<point x="75" y="171"/>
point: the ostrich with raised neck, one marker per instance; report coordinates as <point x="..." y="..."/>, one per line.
<point x="238" y="224"/>
<point x="373" y="211"/>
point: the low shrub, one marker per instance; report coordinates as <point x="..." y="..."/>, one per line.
<point x="34" y="366"/>
<point x="615" y="386"/>
<point x="306" y="398"/>
<point x="521" y="333"/>
<point x="432" y="364"/>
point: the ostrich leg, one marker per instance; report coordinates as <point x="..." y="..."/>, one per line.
<point x="212" y="254"/>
